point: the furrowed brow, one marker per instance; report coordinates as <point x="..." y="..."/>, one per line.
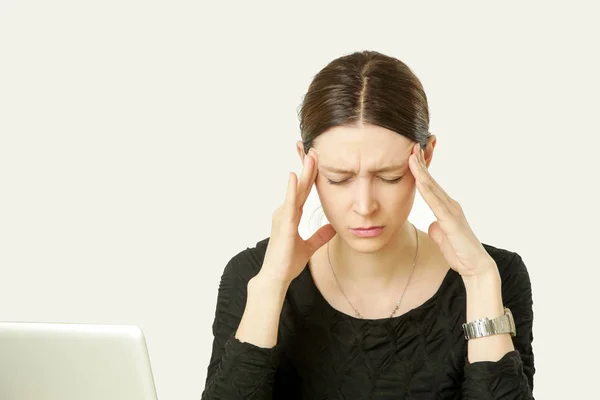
<point x="389" y="168"/>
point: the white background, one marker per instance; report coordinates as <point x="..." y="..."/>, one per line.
<point x="144" y="143"/>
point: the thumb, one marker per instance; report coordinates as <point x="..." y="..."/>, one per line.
<point x="323" y="235"/>
<point x="440" y="238"/>
<point x="436" y="233"/>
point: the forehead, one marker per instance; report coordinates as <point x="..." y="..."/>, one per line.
<point x="368" y="144"/>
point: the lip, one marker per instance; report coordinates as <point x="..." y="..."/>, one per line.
<point x="371" y="231"/>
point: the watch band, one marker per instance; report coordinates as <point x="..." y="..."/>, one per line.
<point x="486" y="327"/>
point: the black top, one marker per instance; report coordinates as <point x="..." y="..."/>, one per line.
<point x="322" y="353"/>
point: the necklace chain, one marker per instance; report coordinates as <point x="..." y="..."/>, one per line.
<point x="405" y="286"/>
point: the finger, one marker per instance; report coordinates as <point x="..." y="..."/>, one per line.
<point x="323" y="235"/>
<point x="433" y="194"/>
<point x="316" y="167"/>
<point x="313" y="177"/>
<point x="305" y="182"/>
<point x="290" y="195"/>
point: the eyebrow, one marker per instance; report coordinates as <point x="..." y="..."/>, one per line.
<point x="347" y="171"/>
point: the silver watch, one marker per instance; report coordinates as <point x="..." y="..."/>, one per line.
<point x="486" y="327"/>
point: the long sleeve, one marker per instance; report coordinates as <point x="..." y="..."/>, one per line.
<point x="511" y="377"/>
<point x="237" y="370"/>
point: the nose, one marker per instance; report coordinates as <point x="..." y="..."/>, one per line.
<point x="365" y="202"/>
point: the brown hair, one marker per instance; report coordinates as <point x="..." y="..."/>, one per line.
<point x="365" y="87"/>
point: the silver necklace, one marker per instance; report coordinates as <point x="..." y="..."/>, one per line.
<point x="405" y="286"/>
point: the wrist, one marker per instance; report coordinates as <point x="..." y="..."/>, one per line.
<point x="489" y="276"/>
<point x="260" y="322"/>
<point x="484" y="296"/>
<point x="484" y="300"/>
<point x="267" y="286"/>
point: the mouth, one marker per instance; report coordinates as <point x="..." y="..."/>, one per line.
<point x="370" y="231"/>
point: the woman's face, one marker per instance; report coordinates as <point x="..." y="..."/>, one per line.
<point x="364" y="180"/>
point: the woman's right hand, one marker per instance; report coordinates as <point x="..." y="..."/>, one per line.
<point x="287" y="253"/>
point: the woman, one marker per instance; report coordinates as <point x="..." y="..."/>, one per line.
<point x="370" y="307"/>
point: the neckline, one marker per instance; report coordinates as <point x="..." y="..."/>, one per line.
<point x="449" y="274"/>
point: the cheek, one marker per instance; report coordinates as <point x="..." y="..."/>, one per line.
<point x="328" y="194"/>
<point x="405" y="199"/>
<point x="400" y="197"/>
<point x="333" y="201"/>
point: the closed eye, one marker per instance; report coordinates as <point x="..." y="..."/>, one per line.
<point x="336" y="182"/>
<point x="390" y="181"/>
<point x="393" y="180"/>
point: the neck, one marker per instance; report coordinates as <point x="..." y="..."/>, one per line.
<point x="379" y="269"/>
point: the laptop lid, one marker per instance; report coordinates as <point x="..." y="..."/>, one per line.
<point x="59" y="361"/>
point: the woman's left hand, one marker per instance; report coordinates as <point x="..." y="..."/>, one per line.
<point x="452" y="233"/>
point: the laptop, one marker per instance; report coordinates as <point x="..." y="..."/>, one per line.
<point x="60" y="361"/>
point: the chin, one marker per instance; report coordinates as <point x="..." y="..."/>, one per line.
<point x="366" y="245"/>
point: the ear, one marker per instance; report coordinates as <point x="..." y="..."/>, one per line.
<point x="300" y="150"/>
<point x="431" y="142"/>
